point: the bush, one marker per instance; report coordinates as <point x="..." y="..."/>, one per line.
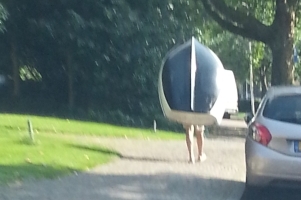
<point x="165" y="124"/>
<point x="245" y="105"/>
<point x="48" y="107"/>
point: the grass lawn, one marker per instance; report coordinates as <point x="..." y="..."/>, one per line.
<point x="66" y="126"/>
<point x="54" y="153"/>
<point x="49" y="156"/>
<point x="238" y="116"/>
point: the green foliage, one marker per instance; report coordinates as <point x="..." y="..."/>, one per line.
<point x="115" y="50"/>
<point x="262" y="10"/>
<point x="245" y="105"/>
<point x="29" y="73"/>
<point x="262" y="21"/>
<point x="233" y="52"/>
<point x="3" y="17"/>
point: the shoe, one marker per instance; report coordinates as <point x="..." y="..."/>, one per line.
<point x="202" y="158"/>
<point x="191" y="160"/>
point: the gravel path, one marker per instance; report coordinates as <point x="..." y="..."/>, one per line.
<point x="149" y="170"/>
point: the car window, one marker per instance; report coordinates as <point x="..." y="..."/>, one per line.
<point x="261" y="105"/>
<point x="284" y="108"/>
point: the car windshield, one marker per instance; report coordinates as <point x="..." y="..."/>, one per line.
<point x="285" y="108"/>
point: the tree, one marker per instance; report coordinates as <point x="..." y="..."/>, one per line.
<point x="3" y="17"/>
<point x="262" y="66"/>
<point x="233" y="52"/>
<point x="276" y="31"/>
<point x="75" y="29"/>
<point x="15" y="35"/>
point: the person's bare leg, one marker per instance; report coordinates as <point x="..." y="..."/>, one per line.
<point x="199" y="132"/>
<point x="189" y="142"/>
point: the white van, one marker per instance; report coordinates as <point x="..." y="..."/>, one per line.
<point x="231" y="94"/>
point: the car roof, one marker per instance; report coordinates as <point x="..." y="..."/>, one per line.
<point x="283" y="90"/>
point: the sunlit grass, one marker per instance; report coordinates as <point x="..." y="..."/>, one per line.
<point x="55" y="151"/>
<point x="238" y="116"/>
<point x="66" y="126"/>
<point x="48" y="156"/>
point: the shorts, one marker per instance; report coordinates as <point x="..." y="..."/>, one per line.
<point x="196" y="127"/>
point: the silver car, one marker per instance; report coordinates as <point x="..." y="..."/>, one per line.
<point x="273" y="143"/>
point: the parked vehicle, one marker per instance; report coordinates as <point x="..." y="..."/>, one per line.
<point x="232" y="96"/>
<point x="273" y="143"/>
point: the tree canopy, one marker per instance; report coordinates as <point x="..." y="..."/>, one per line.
<point x="270" y="22"/>
<point x="101" y="58"/>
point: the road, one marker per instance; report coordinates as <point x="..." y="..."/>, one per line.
<point x="233" y="123"/>
<point x="153" y="170"/>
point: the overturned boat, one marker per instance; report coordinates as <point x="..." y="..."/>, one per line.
<point x="191" y="85"/>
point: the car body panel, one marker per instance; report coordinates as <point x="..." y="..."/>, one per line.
<point x="265" y="165"/>
<point x="283" y="135"/>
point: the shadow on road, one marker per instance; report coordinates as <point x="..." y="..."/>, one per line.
<point x="272" y="194"/>
<point x="146" y="159"/>
<point x="14" y="173"/>
<point x="158" y="186"/>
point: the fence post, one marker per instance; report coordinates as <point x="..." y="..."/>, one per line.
<point x="155" y="126"/>
<point x="30" y="131"/>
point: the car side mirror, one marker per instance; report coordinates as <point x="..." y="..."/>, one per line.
<point x="248" y="117"/>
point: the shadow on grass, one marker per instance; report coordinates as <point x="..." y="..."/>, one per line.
<point x="97" y="149"/>
<point x="125" y="157"/>
<point x="13" y="173"/>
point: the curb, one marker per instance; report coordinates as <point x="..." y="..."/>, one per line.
<point x="226" y="131"/>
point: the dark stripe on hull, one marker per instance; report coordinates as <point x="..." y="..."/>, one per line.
<point x="176" y="78"/>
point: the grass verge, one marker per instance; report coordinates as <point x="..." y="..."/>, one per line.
<point x="66" y="126"/>
<point x="238" y="116"/>
<point x="54" y="153"/>
<point x="48" y="157"/>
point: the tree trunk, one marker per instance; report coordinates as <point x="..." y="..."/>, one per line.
<point x="282" y="66"/>
<point x="70" y="80"/>
<point x="282" y="44"/>
<point x="15" y="71"/>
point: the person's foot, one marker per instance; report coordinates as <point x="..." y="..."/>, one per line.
<point x="202" y="157"/>
<point x="191" y="160"/>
